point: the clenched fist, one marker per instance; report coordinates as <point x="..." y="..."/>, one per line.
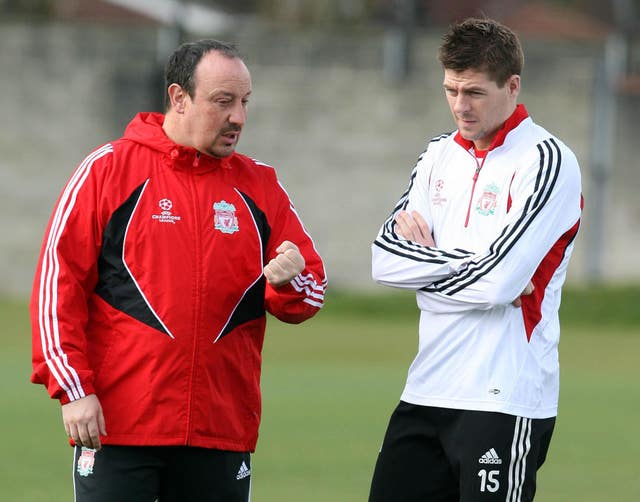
<point x="285" y="266"/>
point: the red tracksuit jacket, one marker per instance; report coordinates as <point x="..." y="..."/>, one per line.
<point x="149" y="289"/>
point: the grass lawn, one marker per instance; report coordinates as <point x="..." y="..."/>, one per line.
<point x="330" y="385"/>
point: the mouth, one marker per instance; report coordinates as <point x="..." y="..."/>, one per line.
<point x="231" y="137"/>
<point x="466" y="121"/>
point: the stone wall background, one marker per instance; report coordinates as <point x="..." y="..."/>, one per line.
<point x="342" y="136"/>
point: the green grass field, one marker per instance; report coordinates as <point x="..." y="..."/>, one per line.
<point x="329" y="386"/>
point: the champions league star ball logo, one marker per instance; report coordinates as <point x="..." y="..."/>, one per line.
<point x="438" y="199"/>
<point x="165" y="204"/>
<point x="224" y="218"/>
<point x="166" y="216"/>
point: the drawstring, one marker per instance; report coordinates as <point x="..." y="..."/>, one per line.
<point x="175" y="155"/>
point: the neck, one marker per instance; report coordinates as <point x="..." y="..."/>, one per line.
<point x="171" y="128"/>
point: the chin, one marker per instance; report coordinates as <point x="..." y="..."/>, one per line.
<point x="220" y="151"/>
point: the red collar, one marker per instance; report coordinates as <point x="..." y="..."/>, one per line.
<point x="518" y="115"/>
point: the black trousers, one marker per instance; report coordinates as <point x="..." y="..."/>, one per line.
<point x="162" y="473"/>
<point x="445" y="455"/>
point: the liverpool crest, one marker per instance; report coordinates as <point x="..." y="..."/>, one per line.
<point x="224" y="218"/>
<point x="488" y="200"/>
<point x="85" y="461"/>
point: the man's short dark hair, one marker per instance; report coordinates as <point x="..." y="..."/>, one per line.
<point x="181" y="66"/>
<point x="482" y="45"/>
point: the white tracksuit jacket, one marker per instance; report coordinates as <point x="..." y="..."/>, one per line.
<point x="499" y="219"/>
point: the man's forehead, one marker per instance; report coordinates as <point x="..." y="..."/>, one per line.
<point x="467" y="78"/>
<point x="220" y="69"/>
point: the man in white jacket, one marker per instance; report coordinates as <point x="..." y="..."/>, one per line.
<point x="483" y="235"/>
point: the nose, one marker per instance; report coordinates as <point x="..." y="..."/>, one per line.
<point x="238" y="114"/>
<point x="461" y="103"/>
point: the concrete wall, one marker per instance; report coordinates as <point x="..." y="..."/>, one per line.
<point x="343" y="138"/>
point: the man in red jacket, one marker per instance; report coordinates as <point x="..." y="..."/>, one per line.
<point x="163" y="253"/>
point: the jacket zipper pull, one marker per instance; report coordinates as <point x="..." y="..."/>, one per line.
<point x="473" y="189"/>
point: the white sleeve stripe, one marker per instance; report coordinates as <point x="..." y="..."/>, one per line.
<point x="55" y="357"/>
<point x="310" y="288"/>
<point x="315" y="304"/>
<point x="308" y="280"/>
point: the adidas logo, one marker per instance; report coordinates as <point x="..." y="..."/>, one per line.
<point x="243" y="472"/>
<point x="491" y="457"/>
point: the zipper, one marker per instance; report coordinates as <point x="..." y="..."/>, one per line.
<point x="196" y="300"/>
<point x="473" y="186"/>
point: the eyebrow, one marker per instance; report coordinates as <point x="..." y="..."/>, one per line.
<point x="228" y="94"/>
<point x="471" y="88"/>
<point x="220" y="92"/>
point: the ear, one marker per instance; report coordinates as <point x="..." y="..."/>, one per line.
<point x="178" y="97"/>
<point x="513" y="85"/>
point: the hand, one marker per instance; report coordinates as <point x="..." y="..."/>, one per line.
<point x="285" y="266"/>
<point x="413" y="227"/>
<point x="84" y="421"/>
<point x="527" y="291"/>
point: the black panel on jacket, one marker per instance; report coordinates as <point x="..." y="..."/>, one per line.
<point x="115" y="284"/>
<point x="261" y="221"/>
<point x="252" y="304"/>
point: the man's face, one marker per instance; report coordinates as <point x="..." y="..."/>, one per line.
<point x="478" y="105"/>
<point x="215" y="116"/>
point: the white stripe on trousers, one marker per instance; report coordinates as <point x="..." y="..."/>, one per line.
<point x="520" y="448"/>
